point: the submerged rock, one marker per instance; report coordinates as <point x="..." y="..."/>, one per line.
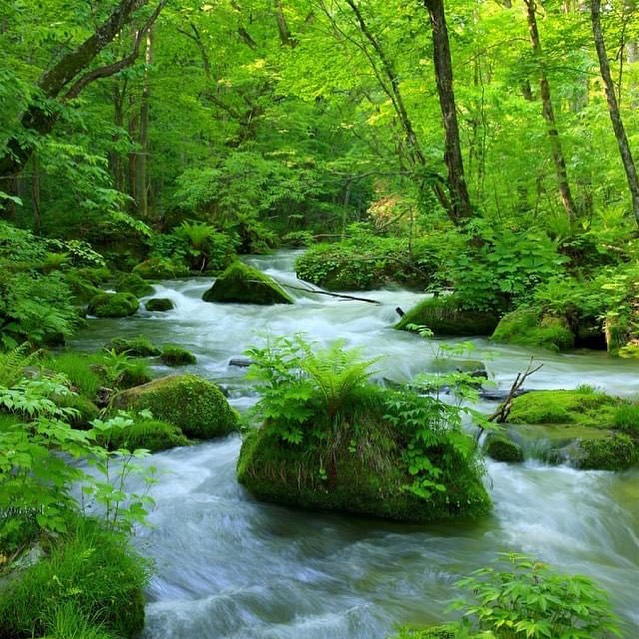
<point x="446" y="316"/>
<point x="159" y="304"/>
<point x="133" y="347"/>
<point x="191" y="403"/>
<point x="242" y="284"/>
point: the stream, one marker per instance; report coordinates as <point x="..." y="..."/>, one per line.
<point x="229" y="567"/>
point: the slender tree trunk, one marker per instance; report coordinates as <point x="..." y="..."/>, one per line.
<point x="549" y="115"/>
<point x="286" y="38"/>
<point x="613" y="108"/>
<point x="35" y="193"/>
<point x="460" y="201"/>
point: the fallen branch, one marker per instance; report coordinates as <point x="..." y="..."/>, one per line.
<point x="501" y="414"/>
<point x="338" y="295"/>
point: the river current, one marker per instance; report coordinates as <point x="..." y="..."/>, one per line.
<point x="229" y="567"/>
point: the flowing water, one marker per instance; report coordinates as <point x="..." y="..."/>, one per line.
<point x="228" y="567"/>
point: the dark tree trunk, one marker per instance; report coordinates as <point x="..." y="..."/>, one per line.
<point x="460" y="201"/>
<point x="613" y="108"/>
<point x="549" y="115"/>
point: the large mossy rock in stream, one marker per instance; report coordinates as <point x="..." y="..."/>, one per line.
<point x="587" y="428"/>
<point x="501" y="448"/>
<point x="133" y="346"/>
<point x="151" y="434"/>
<point x="361" y="468"/>
<point x="242" y="284"/>
<point x="113" y="305"/>
<point x="446" y="316"/>
<point x="132" y="283"/>
<point x="528" y="327"/>
<point x="191" y="403"/>
<point x="159" y="305"/>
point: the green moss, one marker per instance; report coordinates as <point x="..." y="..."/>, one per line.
<point x="132" y="283"/>
<point x="159" y="304"/>
<point x="243" y="284"/>
<point x="191" y="403"/>
<point x="528" y="327"/>
<point x="94" y="570"/>
<point x="626" y="419"/>
<point x="584" y="407"/>
<point x="85" y="410"/>
<point x="113" y="305"/>
<point x="446" y="316"/>
<point x="133" y="347"/>
<point x="153" y="435"/>
<point x="501" y="448"/>
<point x="157" y="268"/>
<point x="173" y="355"/>
<point x="361" y="469"/>
<point x="617" y="452"/>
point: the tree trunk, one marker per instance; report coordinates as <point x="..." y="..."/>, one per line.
<point x="35" y="194"/>
<point x="613" y="108"/>
<point x="549" y="115"/>
<point x="460" y="201"/>
<point x="286" y="38"/>
<point x="141" y="187"/>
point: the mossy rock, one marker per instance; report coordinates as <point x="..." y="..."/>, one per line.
<point x="446" y="316"/>
<point x="191" y="403"/>
<point x="242" y="284"/>
<point x="94" y="569"/>
<point x="361" y="472"/>
<point x="83" y="290"/>
<point x="154" y="435"/>
<point x="527" y="327"/>
<point x="133" y="347"/>
<point x="585" y="407"/>
<point x="501" y="448"/>
<point x="85" y="410"/>
<point x="616" y="452"/>
<point x="132" y="283"/>
<point x="173" y="355"/>
<point x="159" y="304"/>
<point x="157" y="268"/>
<point x="113" y="305"/>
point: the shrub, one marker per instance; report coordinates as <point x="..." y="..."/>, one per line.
<point x="626" y="419"/>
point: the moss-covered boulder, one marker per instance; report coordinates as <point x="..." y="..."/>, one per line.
<point x="528" y="327"/>
<point x="159" y="304"/>
<point x="445" y="315"/>
<point x="242" y="284"/>
<point x="191" y="403"/>
<point x="84" y="410"/>
<point x="501" y="448"/>
<point x="173" y="355"/>
<point x="132" y="283"/>
<point x="158" y="268"/>
<point x="152" y="434"/>
<point x="589" y="429"/>
<point x="113" y="305"/>
<point x="361" y="468"/>
<point x="133" y="346"/>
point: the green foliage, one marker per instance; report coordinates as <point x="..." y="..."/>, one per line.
<point x="80" y="369"/>
<point x="160" y="268"/>
<point x="121" y="371"/>
<point x="527" y="327"/>
<point x="148" y="434"/>
<point x="207" y="250"/>
<point x="626" y="419"/>
<point x="13" y="362"/>
<point x="528" y="600"/>
<point x="132" y="283"/>
<point x="91" y="576"/>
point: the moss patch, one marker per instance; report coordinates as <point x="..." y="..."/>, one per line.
<point x="132" y="283"/>
<point x="94" y="570"/>
<point x="113" y="305"/>
<point x="529" y="328"/>
<point x="173" y="355"/>
<point x="159" y="304"/>
<point x="133" y="347"/>
<point x="446" y="316"/>
<point x="616" y="452"/>
<point x="583" y="407"/>
<point x="157" y="268"/>
<point x="243" y="284"/>
<point x="501" y="448"/>
<point x="359" y="469"/>
<point x="191" y="403"/>
<point x="153" y="435"/>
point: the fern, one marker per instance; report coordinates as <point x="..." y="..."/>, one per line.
<point x="13" y="362"/>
